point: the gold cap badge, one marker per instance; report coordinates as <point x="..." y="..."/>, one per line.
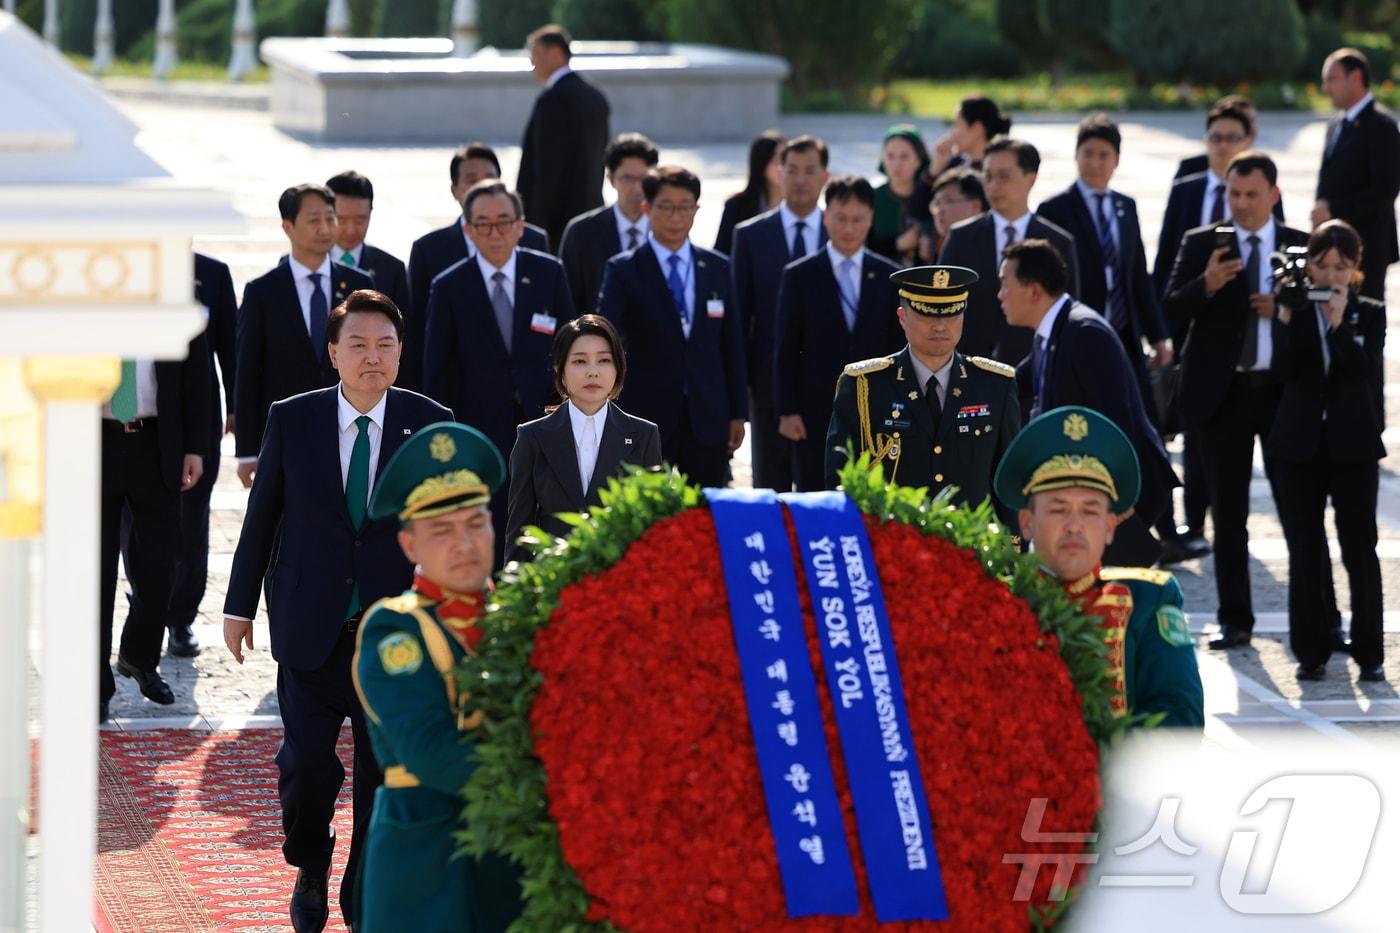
<point x="1076" y="427"/>
<point x="442" y="447"/>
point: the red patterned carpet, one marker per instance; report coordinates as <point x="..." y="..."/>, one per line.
<point x="189" y="833"/>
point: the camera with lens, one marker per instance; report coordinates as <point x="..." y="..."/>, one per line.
<point x="1292" y="287"/>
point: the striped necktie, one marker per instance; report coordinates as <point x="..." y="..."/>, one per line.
<point x="1117" y="297"/>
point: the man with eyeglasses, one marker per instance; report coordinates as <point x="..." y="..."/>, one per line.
<point x="592" y="238"/>
<point x="673" y="302"/>
<point x="491" y="325"/>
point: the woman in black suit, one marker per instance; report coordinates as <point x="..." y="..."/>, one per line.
<point x="763" y="191"/>
<point x="560" y="461"/>
<point x="1326" y="444"/>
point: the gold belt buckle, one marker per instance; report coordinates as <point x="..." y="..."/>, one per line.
<point x="131" y="427"/>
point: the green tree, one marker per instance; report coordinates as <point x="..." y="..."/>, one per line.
<point x="1058" y="34"/>
<point x="412" y="18"/>
<point x="1207" y="41"/>
<point x="637" y="20"/>
<point x="506" y="23"/>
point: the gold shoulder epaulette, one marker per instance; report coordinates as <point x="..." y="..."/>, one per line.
<point x="1141" y="574"/>
<point x="403" y="604"/>
<point x="993" y="366"/>
<point x="864" y="367"/>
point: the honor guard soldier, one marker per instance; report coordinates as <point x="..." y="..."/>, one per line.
<point x="1073" y="474"/>
<point x="931" y="415"/>
<point x="439" y="484"/>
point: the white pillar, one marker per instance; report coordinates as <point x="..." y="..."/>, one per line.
<point x="245" y="38"/>
<point x="466" y="36"/>
<point x="103" y="43"/>
<point x="68" y="690"/>
<point x="51" y="22"/>
<point x="337" y="19"/>
<point x="166" y="53"/>
<point x="14" y="726"/>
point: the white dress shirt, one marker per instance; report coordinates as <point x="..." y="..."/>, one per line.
<point x="1213" y="181"/>
<point x="488" y="270"/>
<point x="1264" y="285"/>
<point x="145" y="391"/>
<point x="857" y="262"/>
<point x="586" y="447"/>
<point x="686" y="270"/>
<point x="944" y="372"/>
<point x="301" y="277"/>
<point x="809" y="228"/>
<point x="1355" y="109"/>
<point x="358" y="254"/>
<point x="558" y="73"/>
<point x="1020" y="224"/>
<point x="642" y="223"/>
<point x="346" y="414"/>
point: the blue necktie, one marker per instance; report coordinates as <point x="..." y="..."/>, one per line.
<point x="677" y="286"/>
<point x="1117" y="310"/>
<point x="848" y="292"/>
<point x="799" y="241"/>
<point x="319" y="313"/>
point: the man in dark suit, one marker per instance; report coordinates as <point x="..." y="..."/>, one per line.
<point x="835" y="307"/>
<point x="435" y="251"/>
<point x="762" y="247"/>
<point x="1077" y="358"/>
<point x="491" y="325"/>
<point x="306" y="538"/>
<point x="1360" y="173"/>
<point x="1010" y="167"/>
<point x="593" y="238"/>
<point x="354" y="202"/>
<point x="1222" y="294"/>
<point x="213" y="288"/>
<point x="281" y="345"/>
<point x="673" y="302"/>
<point x="1194" y="165"/>
<point x="155" y="436"/>
<point x="561" y="158"/>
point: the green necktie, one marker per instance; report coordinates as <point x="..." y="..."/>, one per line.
<point x="357" y="492"/>
<point x="124" y="399"/>
<point x="348" y="259"/>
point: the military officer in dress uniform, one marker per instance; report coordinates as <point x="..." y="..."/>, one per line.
<point x="439" y="484"/>
<point x="1073" y="474"/>
<point x="933" y="416"/>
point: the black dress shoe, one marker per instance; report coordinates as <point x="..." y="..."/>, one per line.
<point x="1195" y="545"/>
<point x="309" y="908"/>
<point x="1230" y="637"/>
<point x="1373" y="675"/>
<point x="152" y="686"/>
<point x="1312" y="672"/>
<point x="1173" y="552"/>
<point x="182" y="642"/>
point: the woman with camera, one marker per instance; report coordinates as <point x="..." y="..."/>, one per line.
<point x="1326" y="444"/>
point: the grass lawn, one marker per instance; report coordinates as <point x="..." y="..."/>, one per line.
<point x="183" y="71"/>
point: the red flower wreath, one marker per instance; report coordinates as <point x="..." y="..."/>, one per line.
<point x="652" y="780"/>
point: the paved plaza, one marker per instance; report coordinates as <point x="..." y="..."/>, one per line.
<point x="1247" y="691"/>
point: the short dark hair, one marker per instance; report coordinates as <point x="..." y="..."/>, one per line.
<point x="474" y="151"/>
<point x="1339" y="235"/>
<point x="1234" y="107"/>
<point x="985" y="111"/>
<point x="1039" y="262"/>
<point x="1100" y="126"/>
<point x="353" y="185"/>
<point x="1251" y="161"/>
<point x="289" y="204"/>
<point x="805" y="143"/>
<point x="485" y="189"/>
<point x="968" y="180"/>
<point x="672" y="175"/>
<point x="630" y="146"/>
<point x="551" y="34"/>
<point x="1352" y="60"/>
<point x="363" y="301"/>
<point x="850" y="188"/>
<point x="1027" y="156"/>
<point x="583" y="326"/>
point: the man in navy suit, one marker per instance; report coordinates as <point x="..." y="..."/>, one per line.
<point x="763" y="245"/>
<point x="1360" y="172"/>
<point x="213" y="288"/>
<point x="593" y="238"/>
<point x="835" y="306"/>
<point x="433" y="252"/>
<point x="1077" y="358"/>
<point x="674" y="304"/>
<point x="491" y="325"/>
<point x="354" y="202"/>
<point x="307" y="539"/>
<point x="281" y="344"/>
<point x="1194" y="165"/>
<point x="1010" y="167"/>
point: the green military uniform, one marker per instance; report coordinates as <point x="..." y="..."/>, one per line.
<point x="1152" y="656"/>
<point x="881" y="407"/>
<point x="419" y="726"/>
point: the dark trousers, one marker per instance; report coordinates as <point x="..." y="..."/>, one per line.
<point x="131" y="482"/>
<point x="704" y="464"/>
<point x="1196" y="494"/>
<point x="314" y="706"/>
<point x="1227" y="453"/>
<point x="772" y="453"/>
<point x="809" y="458"/>
<point x="192" y="570"/>
<point x="1303" y="490"/>
<point x="1374" y="266"/>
